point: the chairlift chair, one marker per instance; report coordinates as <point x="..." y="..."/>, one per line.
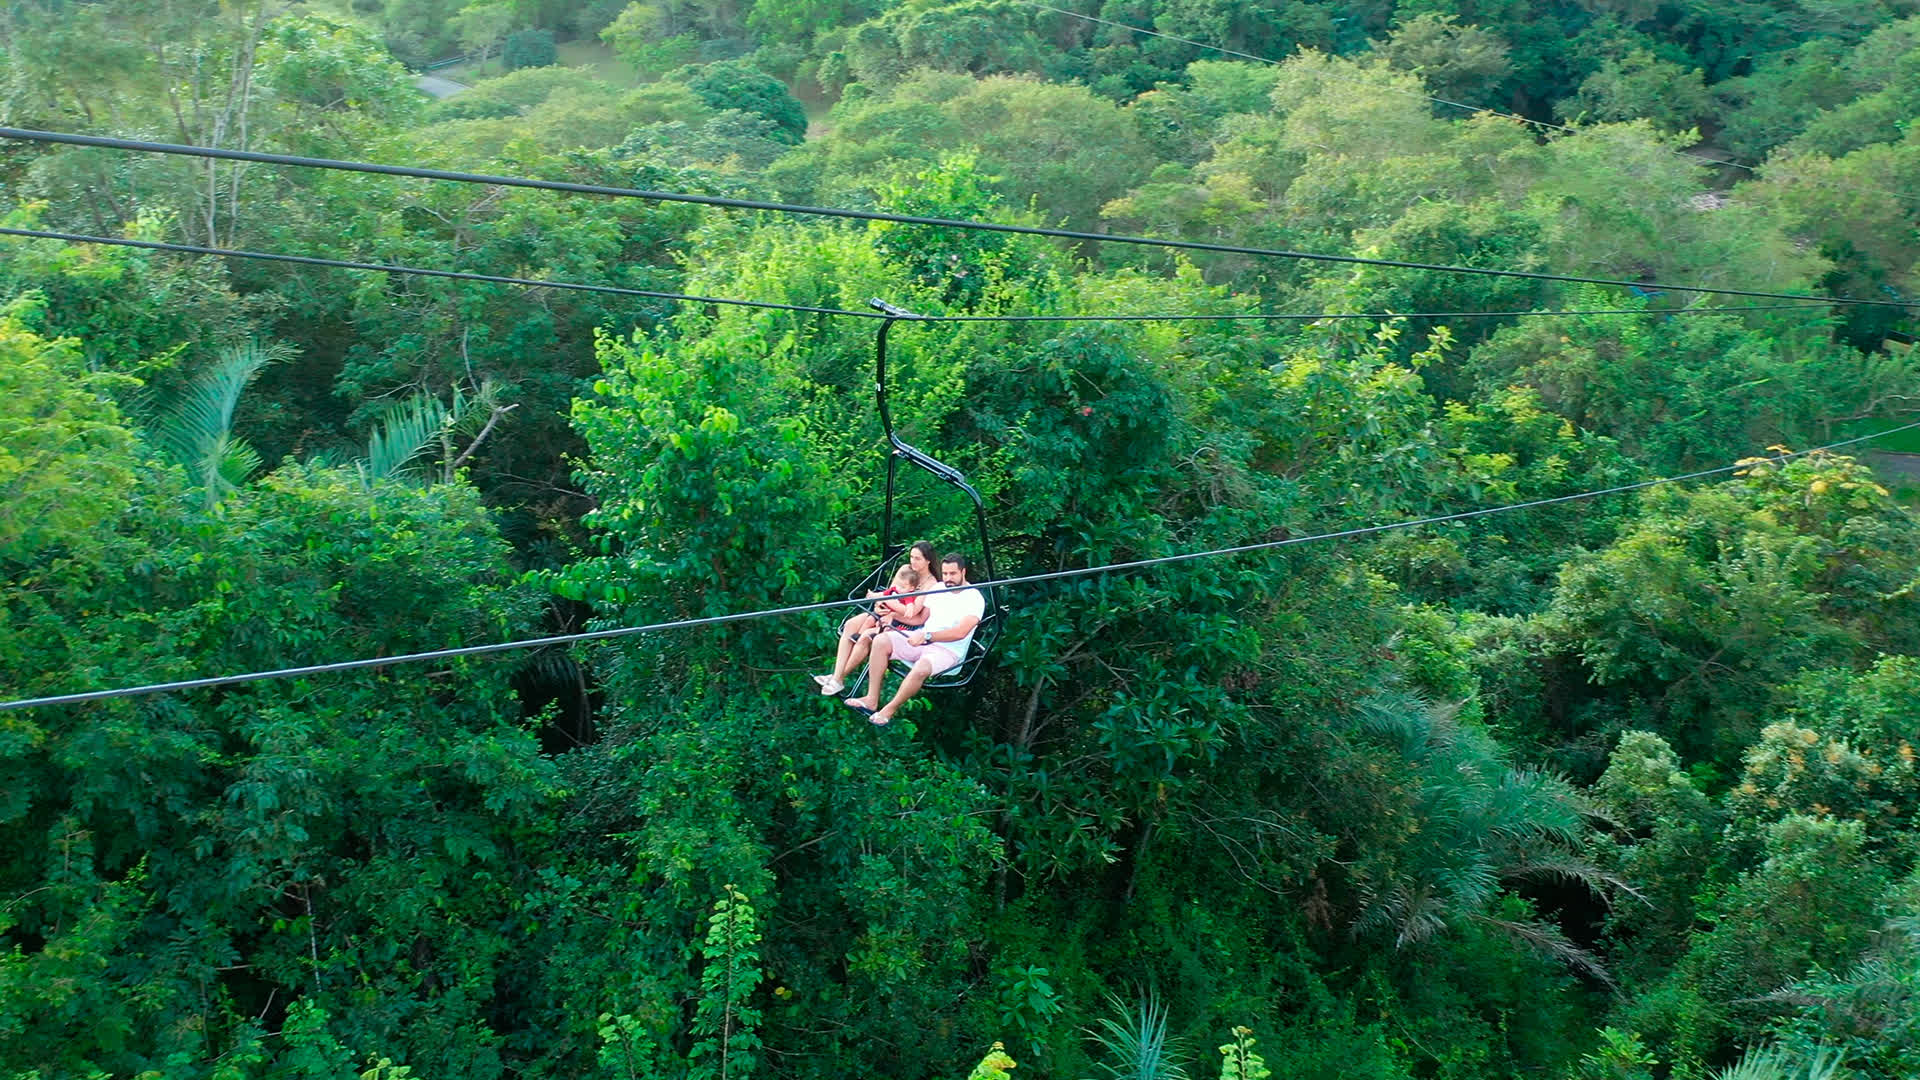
<point x="898" y="450"/>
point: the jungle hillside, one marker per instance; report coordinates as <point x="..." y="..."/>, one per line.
<point x="1427" y="785"/>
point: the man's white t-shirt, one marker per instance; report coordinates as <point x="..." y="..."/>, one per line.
<point x="946" y="609"/>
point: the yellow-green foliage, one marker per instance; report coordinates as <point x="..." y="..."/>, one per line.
<point x="67" y="457"/>
<point x="1240" y="1062"/>
<point x="1794" y="769"/>
<point x="994" y="1066"/>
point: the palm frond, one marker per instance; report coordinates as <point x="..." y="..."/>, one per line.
<point x="238" y="460"/>
<point x="1527" y="802"/>
<point x="1574" y="870"/>
<point x="1470" y="886"/>
<point x="407" y="433"/>
<point x="1548" y="939"/>
<point x="1481" y="823"/>
<point x="1909" y="925"/>
<point x="196" y="428"/>
<point x="1758" y="1063"/>
<point x="470" y="414"/>
<point x="1402" y="717"/>
<point x="1826" y="1063"/>
<point x="1414" y="913"/>
<point x="1874" y="994"/>
<point x="1137" y="1042"/>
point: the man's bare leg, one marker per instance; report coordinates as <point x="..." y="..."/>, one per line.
<point x="877" y="671"/>
<point x="909" y="686"/>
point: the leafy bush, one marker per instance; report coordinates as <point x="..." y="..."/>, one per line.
<point x="529" y="49"/>
<point x="731" y="84"/>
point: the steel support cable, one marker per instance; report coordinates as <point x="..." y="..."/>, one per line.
<point x="829" y="605"/>
<point x="418" y="271"/>
<point x="1543" y="124"/>
<point x="544" y="283"/>
<point x="1381" y="316"/>
<point x="142" y="146"/>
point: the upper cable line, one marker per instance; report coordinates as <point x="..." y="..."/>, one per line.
<point x="421" y="271"/>
<point x="145" y="146"/>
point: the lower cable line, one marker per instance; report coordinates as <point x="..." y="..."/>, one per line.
<point x="1378" y="316"/>
<point x="617" y="290"/>
<point x="828" y="605"/>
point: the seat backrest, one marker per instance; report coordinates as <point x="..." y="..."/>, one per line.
<point x="984" y="636"/>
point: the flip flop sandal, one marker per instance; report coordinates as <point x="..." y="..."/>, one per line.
<point x="857" y="706"/>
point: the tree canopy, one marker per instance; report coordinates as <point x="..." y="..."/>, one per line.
<point x="1621" y="788"/>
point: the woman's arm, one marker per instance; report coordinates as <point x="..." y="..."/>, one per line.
<point x="911" y="611"/>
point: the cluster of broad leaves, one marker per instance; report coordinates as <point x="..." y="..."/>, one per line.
<point x="1614" y="789"/>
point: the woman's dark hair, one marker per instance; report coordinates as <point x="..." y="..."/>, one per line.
<point x="933" y="557"/>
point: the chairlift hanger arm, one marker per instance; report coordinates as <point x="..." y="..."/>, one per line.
<point x="899" y="448"/>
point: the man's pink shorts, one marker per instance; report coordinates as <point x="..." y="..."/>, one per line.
<point x="937" y="655"/>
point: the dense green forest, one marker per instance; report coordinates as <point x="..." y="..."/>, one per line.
<point x="1618" y="789"/>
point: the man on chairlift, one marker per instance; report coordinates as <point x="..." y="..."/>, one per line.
<point x="938" y="646"/>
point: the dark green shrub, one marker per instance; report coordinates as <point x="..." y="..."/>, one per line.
<point x="529" y="49"/>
